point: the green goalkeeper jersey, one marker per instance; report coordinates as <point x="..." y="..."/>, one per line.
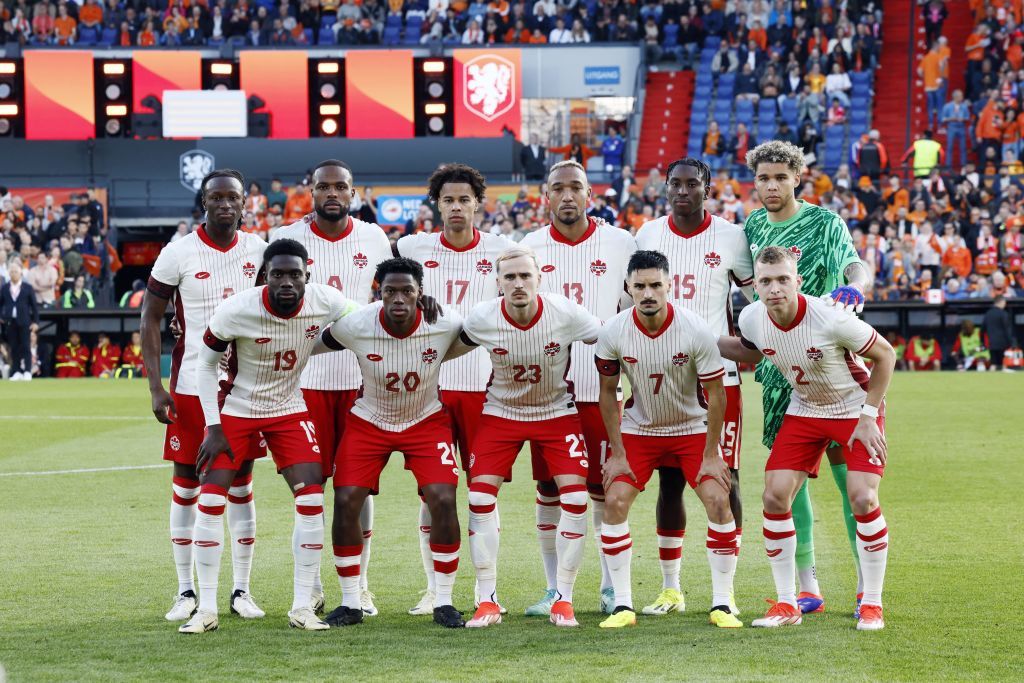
<point x="823" y="247"/>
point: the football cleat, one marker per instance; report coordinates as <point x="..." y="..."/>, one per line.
<point x="732" y="605"/>
<point x="344" y="616"/>
<point x="562" y="614"/>
<point x="870" y="618"/>
<point x="722" y="618"/>
<point x="307" y="620"/>
<point x="779" y="614"/>
<point x="669" y="600"/>
<point x="621" y="617"/>
<point x="448" y="616"/>
<point x="607" y="605"/>
<point x="244" y="606"/>
<point x="487" y="614"/>
<point x="201" y="622"/>
<point x="476" y="599"/>
<point x="366" y="603"/>
<point x="426" y="604"/>
<point x="184" y="606"/>
<point x="856" y="610"/>
<point x="317" y="602"/>
<point x="809" y="603"/>
<point x="542" y="607"/>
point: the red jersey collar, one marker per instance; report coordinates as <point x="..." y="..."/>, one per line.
<point x="664" y="326"/>
<point x="705" y="224"/>
<point x="562" y="239"/>
<point x="540" y="309"/>
<point x="801" y="311"/>
<point x="475" y="241"/>
<point x="267" y="304"/>
<point x="384" y="324"/>
<point x="324" y="236"/>
<point x="208" y="241"/>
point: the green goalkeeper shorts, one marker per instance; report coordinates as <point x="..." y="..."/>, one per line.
<point x="775" y="400"/>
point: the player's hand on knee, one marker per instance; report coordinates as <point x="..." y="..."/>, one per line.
<point x="213" y="444"/>
<point x="714" y="468"/>
<point x="163" y="406"/>
<point x="614" y="467"/>
<point x="847" y="298"/>
<point x="868" y="433"/>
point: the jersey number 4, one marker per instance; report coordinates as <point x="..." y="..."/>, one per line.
<point x="335" y="281"/>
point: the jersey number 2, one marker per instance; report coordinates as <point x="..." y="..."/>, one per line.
<point x="800" y="376"/>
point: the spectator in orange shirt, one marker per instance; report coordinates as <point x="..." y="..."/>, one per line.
<point x="300" y="202"/>
<point x="1011" y="134"/>
<point x="43" y="20"/>
<point x="146" y="37"/>
<point x="538" y="37"/>
<point x="895" y="197"/>
<point x="758" y="35"/>
<point x="90" y="14"/>
<point x="64" y="27"/>
<point x="518" y="33"/>
<point x="975" y="47"/>
<point x="989" y="130"/>
<point x="574" y="150"/>
<point x="105" y="357"/>
<point x="1014" y="53"/>
<point x="931" y="70"/>
<point x="958" y="259"/>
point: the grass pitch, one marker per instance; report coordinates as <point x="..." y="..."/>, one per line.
<point x="86" y="572"/>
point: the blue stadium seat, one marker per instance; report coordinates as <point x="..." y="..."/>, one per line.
<point x="393" y="20"/>
<point x="308" y="32"/>
<point x="860" y="77"/>
<point x="325" y="37"/>
<point x="391" y="35"/>
<point x="109" y="36"/>
<point x="766" y="131"/>
<point x="411" y="36"/>
<point x="859" y="117"/>
<point x="712" y="42"/>
<point x="704" y="78"/>
<point x="767" y="108"/>
<point x="328" y="20"/>
<point x="87" y="35"/>
<point x="702" y="91"/>
<point x="727" y="79"/>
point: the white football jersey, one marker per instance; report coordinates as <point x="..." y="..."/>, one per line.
<point x="400" y="374"/>
<point x="268" y="351"/>
<point x="590" y="272"/>
<point x="664" y="370"/>
<point x="459" y="279"/>
<point x="818" y="354"/>
<point x="530" y="364"/>
<point x="703" y="265"/>
<point x="197" y="275"/>
<point x="348" y="264"/>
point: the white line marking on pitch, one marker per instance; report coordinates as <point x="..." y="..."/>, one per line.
<point x="76" y="417"/>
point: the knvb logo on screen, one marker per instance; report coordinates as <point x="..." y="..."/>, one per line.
<point x="489" y="88"/>
<point x="602" y="75"/>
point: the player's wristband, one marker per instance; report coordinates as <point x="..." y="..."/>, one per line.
<point x="869" y="411"/>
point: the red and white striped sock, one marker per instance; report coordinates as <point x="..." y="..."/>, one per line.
<point x="483" y="538"/>
<point x="208" y="540"/>
<point x="307" y="542"/>
<point x="572" y="533"/>
<point x="366" y="522"/>
<point x="597" y="504"/>
<point x="780" y="544"/>
<point x="670" y="556"/>
<point x="873" y="550"/>
<point x="184" y="495"/>
<point x="425" y="554"/>
<point x="548" y="514"/>
<point x="722" y="556"/>
<point x="446" y="565"/>
<point x="346" y="561"/>
<point x="617" y="549"/>
<point x="242" y="527"/>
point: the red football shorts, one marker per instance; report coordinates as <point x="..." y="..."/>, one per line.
<point x="427" y="446"/>
<point x="644" y="453"/>
<point x="329" y="409"/>
<point x="596" y="438"/>
<point x="559" y="441"/>
<point x="732" y="430"/>
<point x="801" y="441"/>
<point x="183" y="437"/>
<point x="464" y="408"/>
<point x="291" y="438"/>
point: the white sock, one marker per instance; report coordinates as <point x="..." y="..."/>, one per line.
<point x="318" y="586"/>
<point x="809" y="580"/>
<point x="446" y="565"/>
<point x="346" y="561"/>
<point x="722" y="556"/>
<point x="483" y="539"/>
<point x="366" y="522"/>
<point x="598" y="514"/>
<point x="670" y="556"/>
<point x="572" y="532"/>
<point x="548" y="514"/>
<point x="873" y="549"/>
<point x="425" y="554"/>
<point x="208" y="539"/>
<point x="780" y="544"/>
<point x="617" y="547"/>
<point x="185" y="494"/>
<point x="242" y="527"/>
<point x="307" y="542"/>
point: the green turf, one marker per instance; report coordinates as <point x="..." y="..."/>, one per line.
<point x="87" y="573"/>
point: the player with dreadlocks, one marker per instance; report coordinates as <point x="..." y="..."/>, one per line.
<point x="706" y="254"/>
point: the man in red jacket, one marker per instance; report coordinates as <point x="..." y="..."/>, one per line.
<point x="105" y="357"/>
<point x="72" y="357"/>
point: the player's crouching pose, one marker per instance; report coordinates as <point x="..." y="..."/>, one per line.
<point x="399" y="355"/>
<point x="815" y="347"/>
<point x="272" y="331"/>
<point x="670" y="356"/>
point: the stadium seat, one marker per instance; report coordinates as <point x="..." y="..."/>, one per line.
<point x="712" y="42"/>
<point x="391" y="35"/>
<point x="411" y="36"/>
<point x="327" y="21"/>
<point x="860" y="78"/>
<point x="393" y="20"/>
<point x="702" y="90"/>
<point x="727" y="79"/>
<point x="109" y="36"/>
<point x="326" y="37"/>
<point x="308" y="32"/>
<point x="745" y="112"/>
<point x="87" y="36"/>
<point x="766" y="131"/>
<point x="767" y="109"/>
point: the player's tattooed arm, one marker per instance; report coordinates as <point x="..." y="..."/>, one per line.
<point x="461" y="346"/>
<point x="738" y="349"/>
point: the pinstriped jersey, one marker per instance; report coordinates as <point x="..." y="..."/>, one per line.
<point x="704" y="265"/>
<point x="400" y="373"/>
<point x="530" y="363"/>
<point x="348" y="264"/>
<point x="269" y="351"/>
<point x="460" y="279"/>
<point x="590" y="272"/>
<point x="664" y="370"/>
<point x="197" y="275"/>
<point x="817" y="354"/>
